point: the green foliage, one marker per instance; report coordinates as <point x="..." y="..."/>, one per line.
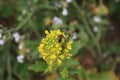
<point x="38" y="66"/>
<point x="114" y="8"/>
<point x="87" y="23"/>
<point x="5" y="11"/>
<point x="75" y="47"/>
<point x="64" y="73"/>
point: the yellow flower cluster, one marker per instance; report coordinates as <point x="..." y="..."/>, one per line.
<point x="54" y="48"/>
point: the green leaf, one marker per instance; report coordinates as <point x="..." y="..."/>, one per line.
<point x="38" y="66"/>
<point x="75" y="47"/>
<point x="73" y="62"/>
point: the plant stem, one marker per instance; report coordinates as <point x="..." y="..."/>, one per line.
<point x="8" y="61"/>
<point x="100" y="29"/>
<point x="97" y="38"/>
<point x="22" y="23"/>
<point x="83" y="18"/>
<point x="9" y="67"/>
<point x="87" y="27"/>
<point x="99" y="32"/>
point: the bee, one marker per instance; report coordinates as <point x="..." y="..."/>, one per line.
<point x="60" y="37"/>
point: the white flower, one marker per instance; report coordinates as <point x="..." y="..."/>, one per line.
<point x="57" y="20"/>
<point x="21" y="45"/>
<point x="2" y="42"/>
<point x="95" y="29"/>
<point x="16" y="36"/>
<point x="20" y="58"/>
<point x="65" y="12"/>
<point x="96" y="19"/>
<point x="74" y="36"/>
<point x="69" y="1"/>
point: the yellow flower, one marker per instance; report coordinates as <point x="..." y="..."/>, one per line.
<point x="61" y="56"/>
<point x="54" y="48"/>
<point x="59" y="62"/>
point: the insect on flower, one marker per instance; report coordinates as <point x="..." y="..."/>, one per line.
<point x="54" y="47"/>
<point x="60" y="37"/>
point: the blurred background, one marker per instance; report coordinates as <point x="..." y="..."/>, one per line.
<point x="92" y="25"/>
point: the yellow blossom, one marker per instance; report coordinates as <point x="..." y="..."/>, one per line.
<point x="59" y="62"/>
<point x="61" y="56"/>
<point x="54" y="48"/>
<point x="46" y="32"/>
